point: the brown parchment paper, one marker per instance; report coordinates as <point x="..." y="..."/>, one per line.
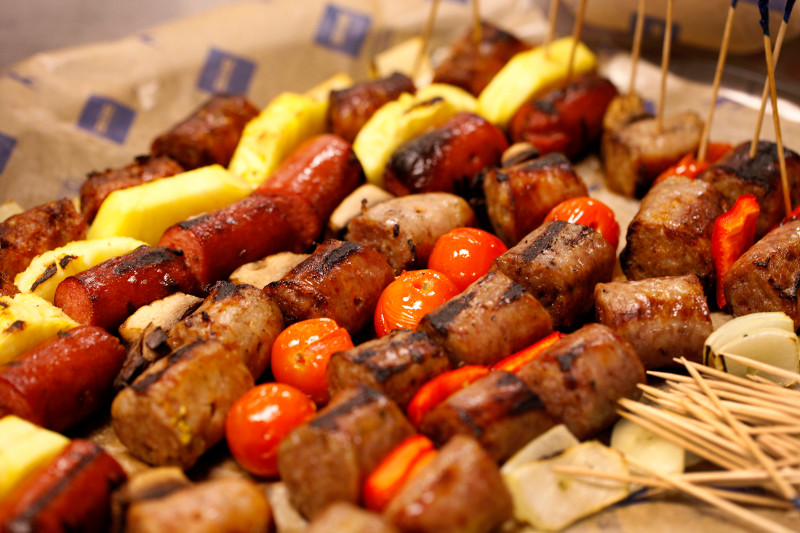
<point x="157" y="76"/>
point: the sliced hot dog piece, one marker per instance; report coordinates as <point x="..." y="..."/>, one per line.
<point x="323" y="170"/>
<point x="340" y="280"/>
<point x="216" y="244"/>
<point x="493" y="318"/>
<point x="447" y="158"/>
<point x="405" y="229"/>
<point x="328" y="458"/>
<point x="106" y="294"/>
<point x="567" y="120"/>
<point x="349" y="109"/>
<point x="71" y="493"/>
<point x="519" y="197"/>
<point x="62" y="380"/>
<point x="209" y="135"/>
<point x="580" y="378"/>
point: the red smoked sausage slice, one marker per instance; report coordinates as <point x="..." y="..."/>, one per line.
<point x="106" y="294"/>
<point x="62" y="380"/>
<point x="71" y="493"/>
<point x="216" y="244"/>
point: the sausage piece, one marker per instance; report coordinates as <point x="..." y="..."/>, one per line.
<point x="580" y="378"/>
<point x="209" y="135"/>
<point x="767" y="276"/>
<point x="216" y="244"/>
<point x="62" y="380"/>
<point x="37" y="230"/>
<point x="397" y="364"/>
<point x="323" y="170"/>
<point x="519" y="197"/>
<point x="99" y="185"/>
<point x="472" y="65"/>
<point x="71" y="493"/>
<point x="671" y="233"/>
<point x="220" y="505"/>
<point x="241" y="317"/>
<point x="405" y="229"/>
<point x="348" y="518"/>
<point x="736" y="173"/>
<point x="459" y="491"/>
<point x="493" y="318"/>
<point x="107" y="293"/>
<point x="349" y="109"/>
<point x="498" y="410"/>
<point x="662" y="318"/>
<point x="176" y="409"/>
<point x="567" y="120"/>
<point x="328" y="458"/>
<point x="560" y="263"/>
<point x="635" y="154"/>
<point x="446" y="158"/>
<point x="340" y="280"/>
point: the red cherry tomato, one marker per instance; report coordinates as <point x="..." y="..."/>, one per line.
<point x="589" y="212"/>
<point x="301" y="353"/>
<point x="259" y="420"/>
<point x="411" y="296"/>
<point x="465" y="254"/>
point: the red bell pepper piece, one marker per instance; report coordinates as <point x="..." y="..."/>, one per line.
<point x="514" y="362"/>
<point x="439" y="388"/>
<point x="403" y="463"/>
<point x="734" y="232"/>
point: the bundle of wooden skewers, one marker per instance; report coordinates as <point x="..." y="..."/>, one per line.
<point x="748" y="427"/>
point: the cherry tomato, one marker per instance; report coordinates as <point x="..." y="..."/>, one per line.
<point x="411" y="296"/>
<point x="589" y="212"/>
<point x="465" y="254"/>
<point x="301" y="353"/>
<point x="260" y="419"/>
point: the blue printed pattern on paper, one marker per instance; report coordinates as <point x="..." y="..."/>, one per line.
<point x="7" y="144"/>
<point x="342" y="29"/>
<point x="226" y="73"/>
<point x="654" y="28"/>
<point x="106" y="118"/>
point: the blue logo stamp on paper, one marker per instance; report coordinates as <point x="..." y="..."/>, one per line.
<point x="342" y="29"/>
<point x="106" y="118"/>
<point x="7" y="144"/>
<point x="226" y="73"/>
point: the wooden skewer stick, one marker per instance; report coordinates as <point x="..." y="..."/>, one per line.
<point x="765" y="92"/>
<point x="776" y="119"/>
<point x="723" y="53"/>
<point x="426" y="36"/>
<point x="708" y="497"/>
<point x="664" y="66"/>
<point x="551" y="26"/>
<point x="636" y="49"/>
<point x="477" y="31"/>
<point x="787" y="490"/>
<point x="758" y="365"/>
<point x="576" y="37"/>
